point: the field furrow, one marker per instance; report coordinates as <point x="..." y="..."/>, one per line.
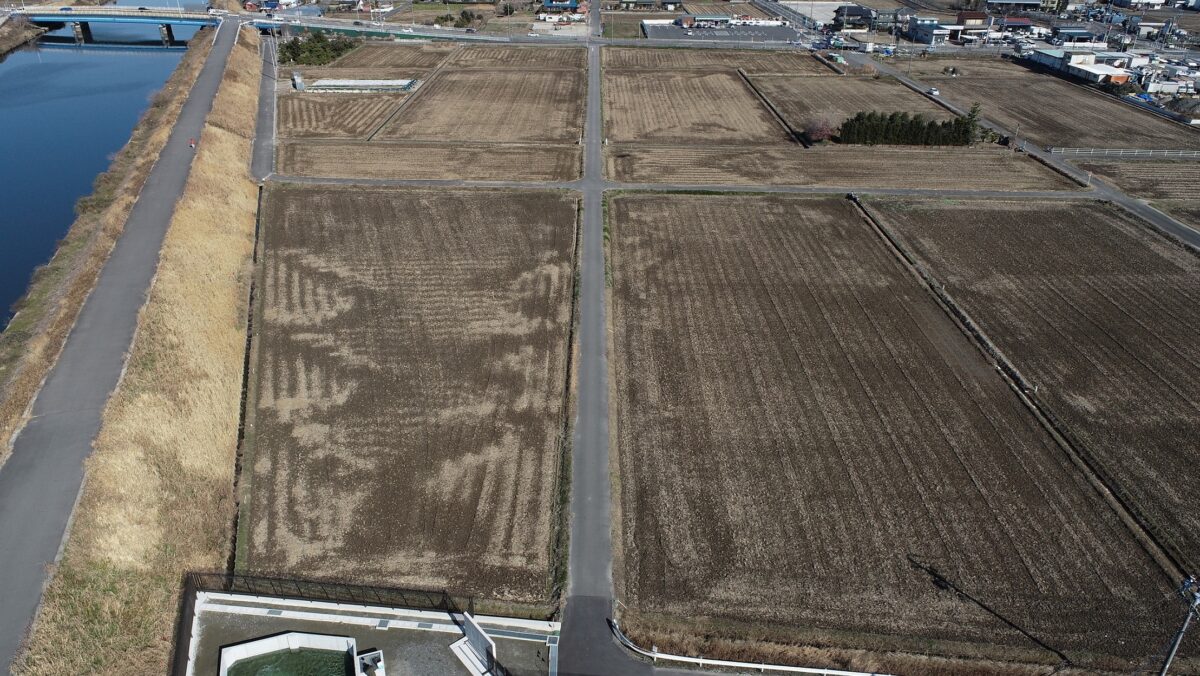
<point x="796" y="421"/>
<point x="410" y="374"/>
<point x="1073" y="295"/>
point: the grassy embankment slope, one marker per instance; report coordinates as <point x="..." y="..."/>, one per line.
<point x="31" y="343"/>
<point x="158" y="497"/>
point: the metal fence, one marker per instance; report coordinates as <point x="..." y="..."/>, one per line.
<point x="1126" y="152"/>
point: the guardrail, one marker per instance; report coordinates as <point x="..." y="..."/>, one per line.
<point x="705" y="662"/>
<point x="1124" y="152"/>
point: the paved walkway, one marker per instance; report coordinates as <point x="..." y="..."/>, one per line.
<point x="41" y="480"/>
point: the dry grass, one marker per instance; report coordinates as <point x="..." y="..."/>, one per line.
<point x="1155" y="179"/>
<point x="802" y="100"/>
<point x="409" y="388"/>
<point x="395" y="56"/>
<point x="16" y="32"/>
<point x="497" y="105"/>
<point x="983" y="168"/>
<point x="523" y="58"/>
<point x="158" y="498"/>
<point x="751" y="61"/>
<point x="468" y="161"/>
<point x="685" y="107"/>
<point x="33" y="339"/>
<point x="802" y="418"/>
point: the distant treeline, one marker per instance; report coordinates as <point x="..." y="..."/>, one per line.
<point x="913" y="130"/>
<point x="315" y="50"/>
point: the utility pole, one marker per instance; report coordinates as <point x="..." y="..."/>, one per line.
<point x="1190" y="591"/>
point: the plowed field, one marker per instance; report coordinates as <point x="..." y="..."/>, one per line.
<point x="524" y="58"/>
<point x="333" y="115"/>
<point x="985" y="168"/>
<point x="1054" y="112"/>
<point x="803" y="100"/>
<point x="796" y="421"/>
<point x="1150" y="178"/>
<point x="705" y="108"/>
<point x="469" y="162"/>
<point x="633" y="58"/>
<point x="410" y="377"/>
<point x="395" y="56"/>
<point x="499" y="105"/>
<point x="1101" y="314"/>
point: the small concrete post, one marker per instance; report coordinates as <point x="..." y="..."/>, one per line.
<point x="167" y="33"/>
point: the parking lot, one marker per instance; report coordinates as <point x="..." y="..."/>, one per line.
<point x="730" y="33"/>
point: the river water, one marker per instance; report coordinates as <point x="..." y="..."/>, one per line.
<point x="64" y="113"/>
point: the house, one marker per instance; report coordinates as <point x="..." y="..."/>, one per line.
<point x="1080" y="64"/>
<point x="1015" y="24"/>
<point x="853" y="16"/>
<point x="895" y="17"/>
<point x="926" y="30"/>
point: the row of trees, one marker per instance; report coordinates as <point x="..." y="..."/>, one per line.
<point x="315" y="50"/>
<point x="871" y="128"/>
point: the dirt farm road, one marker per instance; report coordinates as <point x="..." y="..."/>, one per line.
<point x="42" y="479"/>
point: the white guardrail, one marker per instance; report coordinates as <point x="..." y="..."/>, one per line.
<point x="756" y="666"/>
<point x="1125" y="152"/>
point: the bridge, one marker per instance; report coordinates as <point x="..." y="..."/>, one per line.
<point x="81" y="18"/>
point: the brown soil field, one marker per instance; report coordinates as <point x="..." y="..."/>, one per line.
<point x="1101" y="313"/>
<point x="685" y="107"/>
<point x="983" y="168"/>
<point x="333" y="115"/>
<point x="1054" y="112"/>
<point x="403" y="161"/>
<point x="802" y="100"/>
<point x="313" y="73"/>
<point x="410" y="375"/>
<point x="657" y="59"/>
<point x="1149" y="178"/>
<point x="395" y="56"/>
<point x="802" y="418"/>
<point x="988" y="66"/>
<point x="524" y="58"/>
<point x="726" y="8"/>
<point x="499" y="105"/>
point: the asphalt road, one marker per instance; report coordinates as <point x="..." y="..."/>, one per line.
<point x="41" y="480"/>
<point x="587" y="645"/>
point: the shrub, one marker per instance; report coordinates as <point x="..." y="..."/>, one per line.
<point x="315" y="50"/>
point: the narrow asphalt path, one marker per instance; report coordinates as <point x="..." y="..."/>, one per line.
<point x="588" y="646"/>
<point x="41" y="480"/>
<point x="262" y="163"/>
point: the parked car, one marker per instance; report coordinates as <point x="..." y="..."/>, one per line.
<point x="358" y="23"/>
<point x="406" y="30"/>
<point x="472" y="30"/>
<point x="532" y="35"/>
<point x="64" y="9"/>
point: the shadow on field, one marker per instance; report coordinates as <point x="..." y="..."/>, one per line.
<point x="942" y="582"/>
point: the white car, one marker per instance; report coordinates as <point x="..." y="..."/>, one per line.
<point x="532" y="35"/>
<point x="406" y="30"/>
<point x="933" y="91"/>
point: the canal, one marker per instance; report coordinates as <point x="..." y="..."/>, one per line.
<point x="64" y="113"/>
